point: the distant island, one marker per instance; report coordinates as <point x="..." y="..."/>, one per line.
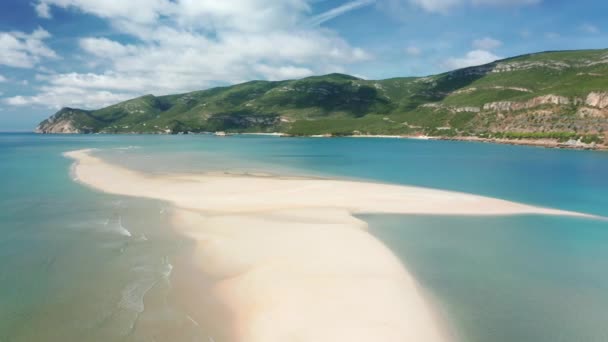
<point x="555" y="99"/>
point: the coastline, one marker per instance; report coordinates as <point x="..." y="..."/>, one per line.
<point x="267" y="281"/>
<point x="545" y="143"/>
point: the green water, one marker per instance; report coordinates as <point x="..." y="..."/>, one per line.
<point x="523" y="278"/>
<point x="84" y="266"/>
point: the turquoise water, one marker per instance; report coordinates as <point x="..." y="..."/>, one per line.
<point x="81" y="265"/>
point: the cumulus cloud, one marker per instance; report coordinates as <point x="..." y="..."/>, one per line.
<point x="143" y="11"/>
<point x="43" y="10"/>
<point x="23" y="50"/>
<point x="185" y="45"/>
<point x="486" y="43"/>
<point x="67" y="97"/>
<point x="179" y="60"/>
<point x="472" y="58"/>
<point x="283" y="72"/>
<point x="102" y="47"/>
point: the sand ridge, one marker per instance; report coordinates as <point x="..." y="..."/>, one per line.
<point x="284" y="259"/>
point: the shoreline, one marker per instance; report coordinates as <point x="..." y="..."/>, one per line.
<point x="545" y="143"/>
<point x="253" y="267"/>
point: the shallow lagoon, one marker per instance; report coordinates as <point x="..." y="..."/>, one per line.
<point x="79" y="264"/>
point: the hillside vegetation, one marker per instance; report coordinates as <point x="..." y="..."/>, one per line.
<point x="550" y="94"/>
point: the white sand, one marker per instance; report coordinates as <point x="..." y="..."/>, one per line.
<point x="285" y="258"/>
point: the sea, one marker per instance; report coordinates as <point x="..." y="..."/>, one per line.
<point x="80" y="265"/>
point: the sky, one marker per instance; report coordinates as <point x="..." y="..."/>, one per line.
<point x="93" y="53"/>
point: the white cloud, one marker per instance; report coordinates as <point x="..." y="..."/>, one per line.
<point x="589" y="28"/>
<point x="68" y="97"/>
<point x="108" y="81"/>
<point x="347" y="7"/>
<point x="185" y="45"/>
<point x="243" y="15"/>
<point x="3" y="79"/>
<point x="413" y="51"/>
<point x="486" y="43"/>
<point x="177" y="61"/>
<point x="142" y="11"/>
<point x="43" y="10"/>
<point x="472" y="58"/>
<point x="283" y="72"/>
<point x="22" y="50"/>
<point x="102" y="47"/>
<point x="17" y="101"/>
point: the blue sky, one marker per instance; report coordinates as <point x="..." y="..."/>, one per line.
<point x="92" y="53"/>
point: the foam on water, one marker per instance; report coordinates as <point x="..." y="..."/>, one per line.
<point x="166" y="267"/>
<point x="133" y="294"/>
<point x="115" y="226"/>
<point x="193" y="320"/>
<point x="73" y="174"/>
<point x="127" y="148"/>
<point x="122" y="230"/>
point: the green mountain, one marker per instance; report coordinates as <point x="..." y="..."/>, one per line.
<point x="560" y="95"/>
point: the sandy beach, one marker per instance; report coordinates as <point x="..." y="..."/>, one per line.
<point x="284" y="259"/>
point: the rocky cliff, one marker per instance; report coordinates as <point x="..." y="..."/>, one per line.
<point x="67" y="121"/>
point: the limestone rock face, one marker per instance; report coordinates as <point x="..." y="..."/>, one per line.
<point x="469" y="109"/>
<point x="588" y="112"/>
<point x="61" y="127"/>
<point x="597" y="99"/>
<point x="547" y="99"/>
<point x="506" y="106"/>
<point x="61" y="122"/>
<point x="500" y="106"/>
<point x="452" y="109"/>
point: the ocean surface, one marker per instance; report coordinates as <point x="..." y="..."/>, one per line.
<point x="79" y="265"/>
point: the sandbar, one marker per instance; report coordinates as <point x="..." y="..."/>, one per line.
<point x="280" y="259"/>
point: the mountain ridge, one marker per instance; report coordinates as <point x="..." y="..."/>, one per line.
<point x="539" y="95"/>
